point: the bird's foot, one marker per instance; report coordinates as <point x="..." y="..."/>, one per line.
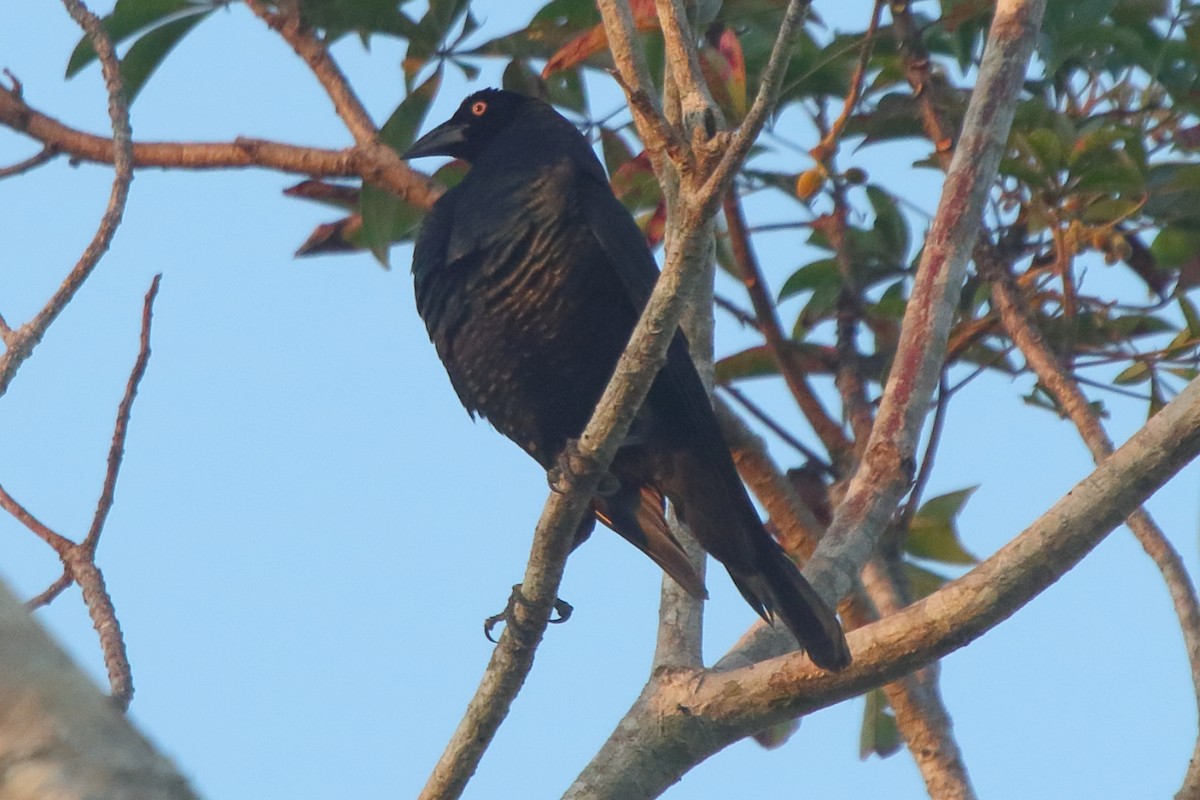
<point x="561" y="607"/>
<point x="571" y="463"/>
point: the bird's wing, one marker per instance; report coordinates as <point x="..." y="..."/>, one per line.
<point x="625" y="245"/>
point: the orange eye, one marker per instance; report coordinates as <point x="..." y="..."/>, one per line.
<point x="478" y="108"/>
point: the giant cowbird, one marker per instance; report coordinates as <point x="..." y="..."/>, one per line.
<point x="530" y="276"/>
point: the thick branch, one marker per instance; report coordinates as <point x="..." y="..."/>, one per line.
<point x="682" y="719"/>
<point x="888" y="461"/>
<point x="61" y="738"/>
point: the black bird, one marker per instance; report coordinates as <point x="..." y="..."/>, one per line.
<point x="530" y="276"/>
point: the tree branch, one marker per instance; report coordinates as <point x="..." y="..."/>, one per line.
<point x="379" y="165"/>
<point x="824" y="426"/>
<point x="21" y="343"/>
<point x="889" y="458"/>
<point x="682" y="719"/>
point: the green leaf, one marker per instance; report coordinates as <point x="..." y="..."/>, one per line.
<point x="890" y="226"/>
<point x="754" y="362"/>
<point x="933" y="533"/>
<point x="364" y="17"/>
<point x="401" y="127"/>
<point x="1138" y="372"/>
<point x="144" y="56"/>
<point x="821" y="274"/>
<point x="880" y="735"/>
<point x="777" y="735"/>
<point x="923" y="582"/>
<point x="127" y="18"/>
<point x="385" y="217"/>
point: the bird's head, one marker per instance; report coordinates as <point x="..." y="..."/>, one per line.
<point x="478" y="120"/>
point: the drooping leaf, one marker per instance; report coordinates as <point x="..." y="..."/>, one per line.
<point x="385" y="217"/>
<point x="777" y="735"/>
<point x="890" y="225"/>
<point x="923" y="582"/>
<point x="145" y="55"/>
<point x="129" y="17"/>
<point x="880" y="735"/>
<point x="933" y="533"/>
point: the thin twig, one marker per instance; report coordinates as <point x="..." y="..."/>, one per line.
<point x="121" y="428"/>
<point x="827" y="147"/>
<point x="22" y="343"/>
<point x="61" y="544"/>
<point x="824" y="426"/>
<point x="684" y="59"/>
<point x="51" y="592"/>
<point x="925" y="472"/>
<point x="33" y="162"/>
<point x="783" y="433"/>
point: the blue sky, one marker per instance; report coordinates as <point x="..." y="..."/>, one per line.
<point x="309" y="530"/>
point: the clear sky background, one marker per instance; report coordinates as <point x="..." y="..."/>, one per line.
<point x="309" y="530"/>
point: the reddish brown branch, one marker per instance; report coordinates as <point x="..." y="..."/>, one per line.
<point x="826" y="428"/>
<point x="380" y="165"/>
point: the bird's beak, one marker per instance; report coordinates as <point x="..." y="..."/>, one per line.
<point x="441" y="141"/>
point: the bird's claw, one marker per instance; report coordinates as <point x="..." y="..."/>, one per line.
<point x="571" y="463"/>
<point x="561" y="607"/>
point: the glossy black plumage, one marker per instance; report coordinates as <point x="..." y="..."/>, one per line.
<point x="530" y="276"/>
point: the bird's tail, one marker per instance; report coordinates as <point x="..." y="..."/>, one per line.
<point x="713" y="502"/>
<point x="778" y="589"/>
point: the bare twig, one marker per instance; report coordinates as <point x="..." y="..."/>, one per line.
<point x="824" y="426"/>
<point x="828" y="145"/>
<point x="694" y="99"/>
<point x="21" y="343"/>
<point x="121" y="428"/>
<point x="79" y="559"/>
<point x="33" y="162"/>
<point x="51" y="592"/>
<point x="783" y="433"/>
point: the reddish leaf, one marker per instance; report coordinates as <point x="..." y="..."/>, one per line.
<point x="724" y="68"/>
<point x="594" y="40"/>
<point x="334" y="237"/>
